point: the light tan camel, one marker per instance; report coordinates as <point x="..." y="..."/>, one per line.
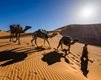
<point x="16" y="30"/>
<point x="43" y="34"/>
<point x="66" y="40"/>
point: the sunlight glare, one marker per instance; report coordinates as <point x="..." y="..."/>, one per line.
<point x="87" y="12"/>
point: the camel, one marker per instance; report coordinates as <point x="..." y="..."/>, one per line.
<point x="43" y="34"/>
<point x="15" y="31"/>
<point x="66" y="40"/>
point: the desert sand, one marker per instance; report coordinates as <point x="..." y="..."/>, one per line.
<point x="26" y="62"/>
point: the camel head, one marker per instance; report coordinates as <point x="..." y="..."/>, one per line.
<point x="26" y="28"/>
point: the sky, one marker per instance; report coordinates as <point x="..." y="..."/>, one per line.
<point x="48" y="14"/>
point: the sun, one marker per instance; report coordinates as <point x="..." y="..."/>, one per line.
<point x="87" y="12"/>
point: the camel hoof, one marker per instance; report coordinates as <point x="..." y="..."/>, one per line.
<point x="19" y="43"/>
<point x="49" y="47"/>
<point x="55" y="49"/>
<point x="65" y="55"/>
<point x="32" y="45"/>
<point x="14" y="41"/>
<point x="27" y="43"/>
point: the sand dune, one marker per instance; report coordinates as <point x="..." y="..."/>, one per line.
<point x="90" y="33"/>
<point x="25" y="62"/>
<point x="3" y="33"/>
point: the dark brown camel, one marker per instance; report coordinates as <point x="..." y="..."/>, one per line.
<point x="16" y="30"/>
<point x="43" y="34"/>
<point x="66" y="40"/>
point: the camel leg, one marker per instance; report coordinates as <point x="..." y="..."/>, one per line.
<point x="36" y="42"/>
<point x="48" y="43"/>
<point x="10" y="37"/>
<point x="18" y="38"/>
<point x="32" y="41"/>
<point x="68" y="48"/>
<point x="44" y="42"/>
<point x="60" y="44"/>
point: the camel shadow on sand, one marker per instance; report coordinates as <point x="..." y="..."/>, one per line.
<point x="17" y="54"/>
<point x="11" y="57"/>
<point x="30" y="51"/>
<point x="5" y="45"/>
<point x="53" y="57"/>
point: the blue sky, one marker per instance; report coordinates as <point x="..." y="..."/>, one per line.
<point x="48" y="14"/>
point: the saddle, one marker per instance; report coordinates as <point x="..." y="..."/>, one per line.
<point x="42" y="31"/>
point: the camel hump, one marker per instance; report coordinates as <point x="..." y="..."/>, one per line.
<point x="66" y="39"/>
<point x="42" y="31"/>
<point x="15" y="27"/>
<point x="11" y="27"/>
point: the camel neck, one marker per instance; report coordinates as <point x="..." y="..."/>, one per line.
<point x="24" y="30"/>
<point x="73" y="42"/>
